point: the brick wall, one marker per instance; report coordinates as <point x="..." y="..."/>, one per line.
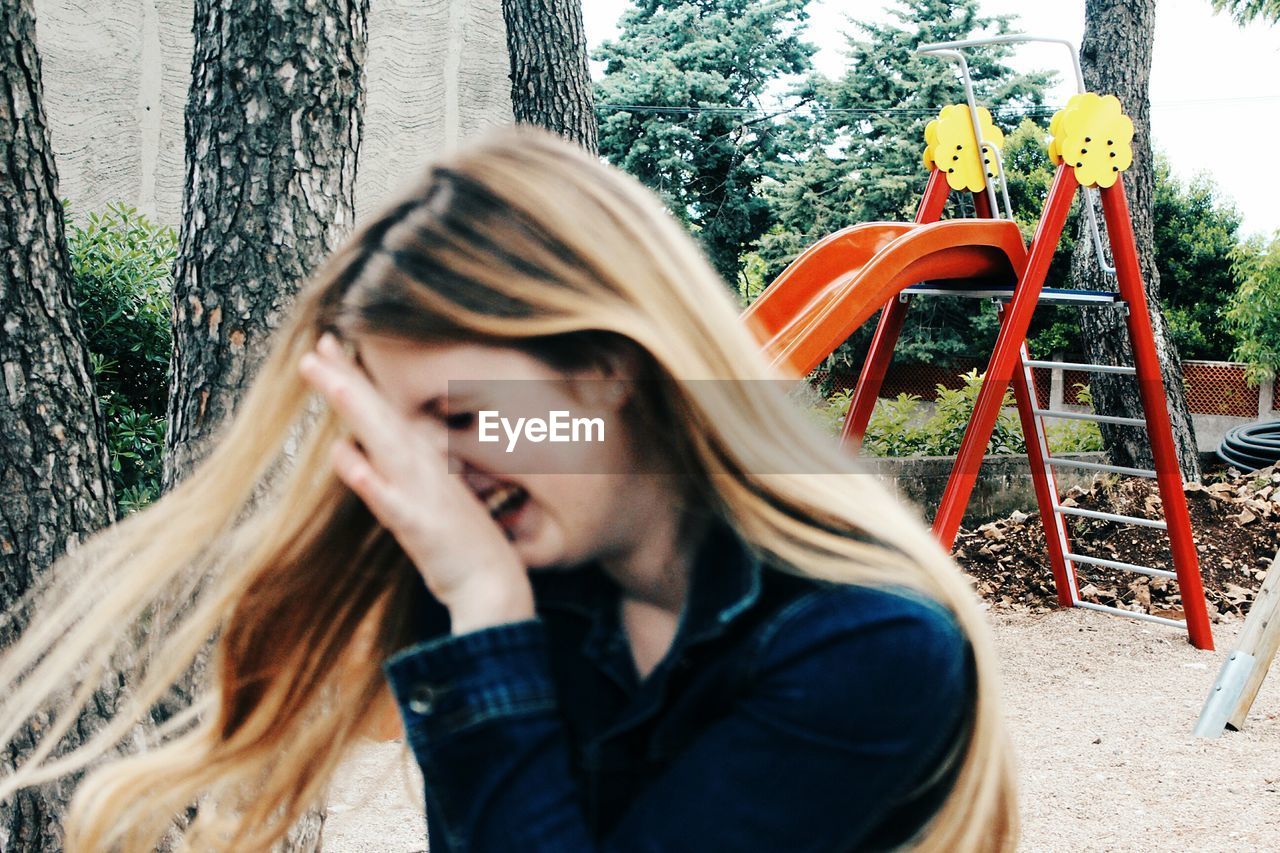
<point x="1213" y="387"/>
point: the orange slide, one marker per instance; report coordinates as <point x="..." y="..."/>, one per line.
<point x="836" y="284"/>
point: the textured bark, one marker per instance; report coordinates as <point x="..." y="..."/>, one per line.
<point x="273" y="128"/>
<point x="1116" y="60"/>
<point x="550" y="78"/>
<point x="53" y="448"/>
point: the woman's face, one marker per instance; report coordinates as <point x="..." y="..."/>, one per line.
<point x="563" y="493"/>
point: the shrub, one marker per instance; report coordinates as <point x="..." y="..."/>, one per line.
<point x="1075" y="436"/>
<point x="1253" y="314"/>
<point x="895" y="429"/>
<point x="899" y="427"/>
<point x="122" y="267"/>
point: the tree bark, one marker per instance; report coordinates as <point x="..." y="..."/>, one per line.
<point x="274" y="121"/>
<point x="550" y="79"/>
<point x="273" y="127"/>
<point x="1116" y="59"/>
<point x="53" y="445"/>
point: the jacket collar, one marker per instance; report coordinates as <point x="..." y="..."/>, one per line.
<point x="725" y="581"/>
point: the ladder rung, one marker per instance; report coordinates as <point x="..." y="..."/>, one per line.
<point x="1047" y="294"/>
<point x="1120" y="611"/>
<point x="1101" y="466"/>
<point x="1110" y="516"/>
<point x="1091" y="368"/>
<point x="1090" y="416"/>
<point x="1145" y="617"/>
<point x="1127" y="567"/>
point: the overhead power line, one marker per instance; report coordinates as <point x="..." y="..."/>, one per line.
<point x="1043" y="109"/>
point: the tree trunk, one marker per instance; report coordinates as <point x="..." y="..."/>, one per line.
<point x="273" y="127"/>
<point x="1116" y="60"/>
<point x="53" y="444"/>
<point x="550" y="78"/>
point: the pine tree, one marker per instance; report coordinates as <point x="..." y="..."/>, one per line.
<point x="1115" y="57"/>
<point x="1248" y="11"/>
<point x="53" y="441"/>
<point x="855" y="156"/>
<point x="550" y="78"/>
<point x="725" y="57"/>
<point x="873" y="119"/>
<point x="273" y="122"/>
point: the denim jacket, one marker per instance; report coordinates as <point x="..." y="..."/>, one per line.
<point x="790" y="714"/>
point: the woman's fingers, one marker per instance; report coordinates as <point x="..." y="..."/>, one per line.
<point x="349" y="392"/>
<point x="354" y="469"/>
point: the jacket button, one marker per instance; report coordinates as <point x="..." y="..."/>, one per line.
<point x="422" y="699"/>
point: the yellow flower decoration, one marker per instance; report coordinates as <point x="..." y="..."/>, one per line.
<point x="951" y="147"/>
<point x="1093" y="134"/>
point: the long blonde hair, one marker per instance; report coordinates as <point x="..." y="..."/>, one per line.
<point x="522" y="239"/>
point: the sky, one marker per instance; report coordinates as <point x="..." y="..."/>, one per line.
<point x="1215" y="86"/>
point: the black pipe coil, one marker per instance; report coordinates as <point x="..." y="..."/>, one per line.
<point x="1251" y="446"/>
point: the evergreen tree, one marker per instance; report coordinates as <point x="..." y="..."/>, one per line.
<point x="53" y="437"/>
<point x="1115" y="57"/>
<point x="855" y="156"/>
<point x="727" y="58"/>
<point x="550" y="78"/>
<point x="1196" y="235"/>
<point x="1247" y="11"/>
<point x="869" y="124"/>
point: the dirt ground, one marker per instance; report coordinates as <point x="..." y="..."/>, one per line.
<point x="1235" y="522"/>
<point x="1101" y="709"/>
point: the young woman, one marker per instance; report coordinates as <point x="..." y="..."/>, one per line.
<point x="704" y="633"/>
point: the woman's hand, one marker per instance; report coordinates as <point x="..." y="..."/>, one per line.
<point x="401" y="471"/>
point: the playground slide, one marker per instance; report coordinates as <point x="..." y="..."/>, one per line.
<point x="838" y="283"/>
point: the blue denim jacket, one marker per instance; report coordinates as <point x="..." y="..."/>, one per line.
<point x="790" y="714"/>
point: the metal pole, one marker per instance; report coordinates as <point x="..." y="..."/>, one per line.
<point x="1155" y="407"/>
<point x="1013" y="331"/>
<point x="958" y="57"/>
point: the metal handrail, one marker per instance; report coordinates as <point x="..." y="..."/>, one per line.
<point x="967" y="80"/>
<point x="1011" y="38"/>
<point x="951" y="50"/>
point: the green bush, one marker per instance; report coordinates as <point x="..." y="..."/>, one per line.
<point x="1075" y="436"/>
<point x="954" y="408"/>
<point x="899" y="426"/>
<point x="1253" y="314"/>
<point x="122" y="266"/>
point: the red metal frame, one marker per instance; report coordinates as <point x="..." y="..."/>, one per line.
<point x="1006" y="359"/>
<point x="1115" y="209"/>
<point x="871" y="378"/>
<point x="1013" y="331"/>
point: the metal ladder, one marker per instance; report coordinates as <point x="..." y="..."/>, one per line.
<point x="1063" y="557"/>
<point x="1053" y="515"/>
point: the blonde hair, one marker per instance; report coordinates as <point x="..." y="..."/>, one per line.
<point x="520" y="238"/>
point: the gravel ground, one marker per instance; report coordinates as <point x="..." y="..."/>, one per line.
<point x="1101" y="711"/>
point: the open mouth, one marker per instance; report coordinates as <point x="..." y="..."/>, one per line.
<point x="505" y="502"/>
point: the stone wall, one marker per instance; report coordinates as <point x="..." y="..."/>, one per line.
<point x="116" y="77"/>
<point x="1004" y="482"/>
